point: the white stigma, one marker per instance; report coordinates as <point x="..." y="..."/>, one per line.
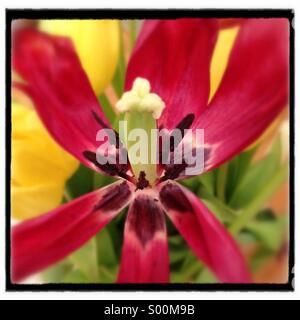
<point x="140" y="99"/>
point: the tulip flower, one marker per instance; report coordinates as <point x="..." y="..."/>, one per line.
<point x="96" y="43"/>
<point x="167" y="86"/>
<point x="35" y="187"/>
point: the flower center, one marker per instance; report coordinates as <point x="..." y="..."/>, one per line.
<point x="142" y="108"/>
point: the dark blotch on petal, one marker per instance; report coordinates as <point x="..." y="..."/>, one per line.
<point x="114" y="198"/>
<point x="146" y="218"/>
<point x="172" y="197"/>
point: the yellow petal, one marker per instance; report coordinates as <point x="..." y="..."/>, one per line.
<point x="97" y="44"/>
<point x="28" y="202"/>
<point x="220" y="57"/>
<point x="38" y="163"/>
<point x="225" y="41"/>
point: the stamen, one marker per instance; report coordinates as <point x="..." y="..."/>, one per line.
<point x="105" y="126"/>
<point x="100" y="121"/>
<point x="174" y="171"/>
<point x="184" y="124"/>
<point x="140" y="99"/>
<point x="108" y="168"/>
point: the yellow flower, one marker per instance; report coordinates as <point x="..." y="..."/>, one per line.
<point x="220" y="57"/>
<point x="225" y="42"/>
<point x="97" y="44"/>
<point x="40" y="167"/>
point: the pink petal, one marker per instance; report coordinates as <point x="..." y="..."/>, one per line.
<point x="59" y="89"/>
<point x="253" y="91"/>
<point x="145" y="249"/>
<point x="206" y="236"/>
<point x="43" y="241"/>
<point x="174" y="55"/>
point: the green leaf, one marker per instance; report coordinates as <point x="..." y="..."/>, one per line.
<point x="205" y="276"/>
<point x="77" y="276"/>
<point x="177" y="256"/>
<point x="105" y="249"/>
<point x="221" y="182"/>
<point x="237" y="169"/>
<point x="176" y="241"/>
<point x="108" y="275"/>
<point x="133" y="24"/>
<point x="269" y="233"/>
<point x="107" y="108"/>
<point x="221" y="210"/>
<point x="118" y="80"/>
<point x="257" y="176"/>
<point x="260" y="258"/>
<point x="57" y="273"/>
<point x="208" y="180"/>
<point x="101" y="181"/>
<point x="192" y="183"/>
<point x="256" y="204"/>
<point x="81" y="182"/>
<point x="177" y="250"/>
<point x="191" y="265"/>
<point x="107" y="259"/>
<point x="85" y="260"/>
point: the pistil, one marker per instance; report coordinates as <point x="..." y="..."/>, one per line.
<point x="142" y="109"/>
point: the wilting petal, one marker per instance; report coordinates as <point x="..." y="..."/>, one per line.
<point x="174" y="55"/>
<point x="253" y="91"/>
<point x="145" y="249"/>
<point x="96" y="42"/>
<point x="42" y="241"/>
<point x="59" y="89"/>
<point x="206" y="236"/>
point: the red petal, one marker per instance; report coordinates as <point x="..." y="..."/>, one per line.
<point x="253" y="91"/>
<point x="45" y="240"/>
<point x="145" y="249"/>
<point x="174" y="55"/>
<point x="59" y="89"/>
<point x="230" y="22"/>
<point x="206" y="236"/>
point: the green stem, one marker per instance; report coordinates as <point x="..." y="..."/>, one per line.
<point x="132" y="33"/>
<point x="221" y="182"/>
<point x="107" y="108"/>
<point x="122" y="62"/>
<point x="249" y="213"/>
<point x="68" y="194"/>
<point x="118" y="81"/>
<point x="192" y="270"/>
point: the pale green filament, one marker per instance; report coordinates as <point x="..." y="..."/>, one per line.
<point x="142" y="109"/>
